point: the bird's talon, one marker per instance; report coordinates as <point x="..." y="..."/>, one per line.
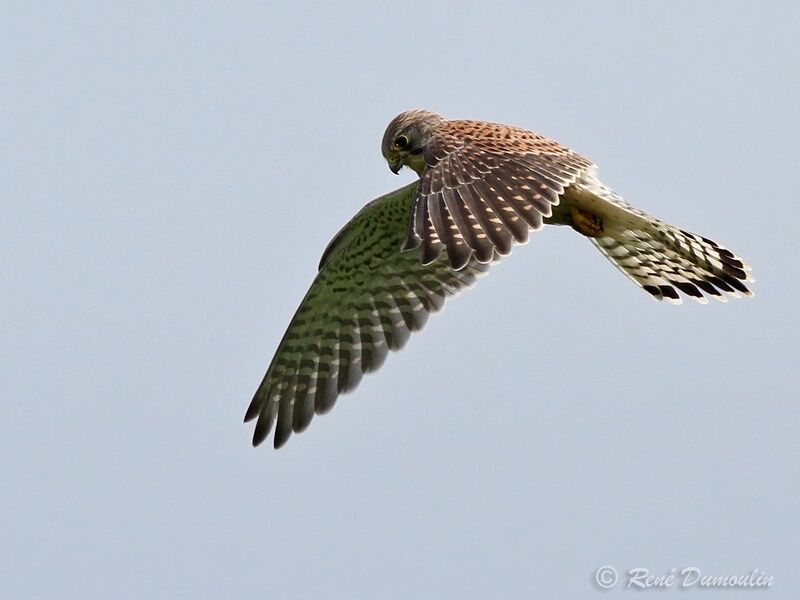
<point x="586" y="223"/>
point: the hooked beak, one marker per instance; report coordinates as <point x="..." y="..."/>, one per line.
<point x="395" y="167"/>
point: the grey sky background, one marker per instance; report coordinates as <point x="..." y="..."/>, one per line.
<point x="170" y="176"/>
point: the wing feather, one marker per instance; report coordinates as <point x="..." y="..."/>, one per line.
<point x="367" y="299"/>
<point x="507" y="178"/>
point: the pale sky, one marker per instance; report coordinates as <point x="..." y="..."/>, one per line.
<point x="171" y="174"/>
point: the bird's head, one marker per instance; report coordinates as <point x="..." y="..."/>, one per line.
<point x="406" y="137"/>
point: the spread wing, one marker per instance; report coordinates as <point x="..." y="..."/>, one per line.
<point x="485" y="187"/>
<point x="365" y="301"/>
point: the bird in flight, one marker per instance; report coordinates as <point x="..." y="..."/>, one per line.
<point x="482" y="188"/>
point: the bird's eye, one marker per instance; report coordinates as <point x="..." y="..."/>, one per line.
<point x="401" y="142"/>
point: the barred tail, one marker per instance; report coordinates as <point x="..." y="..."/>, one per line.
<point x="663" y="260"/>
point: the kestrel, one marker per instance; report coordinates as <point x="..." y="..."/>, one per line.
<point x="482" y="188"/>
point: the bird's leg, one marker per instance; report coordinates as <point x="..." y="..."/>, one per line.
<point x="585" y="222"/>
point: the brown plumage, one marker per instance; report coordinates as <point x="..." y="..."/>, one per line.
<point x="484" y="186"/>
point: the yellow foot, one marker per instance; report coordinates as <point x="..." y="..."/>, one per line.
<point x="585" y="222"/>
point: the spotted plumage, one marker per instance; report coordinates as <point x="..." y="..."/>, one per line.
<point x="483" y="187"/>
<point x="365" y="301"/>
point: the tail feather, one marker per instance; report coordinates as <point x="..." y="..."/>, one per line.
<point x="658" y="257"/>
<point x="664" y="260"/>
